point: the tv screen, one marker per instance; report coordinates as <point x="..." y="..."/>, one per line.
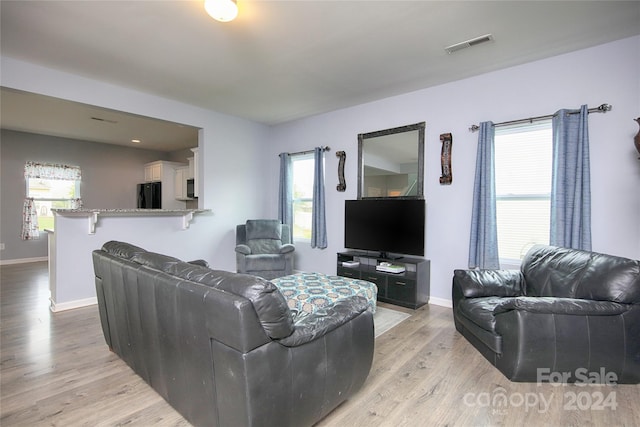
<point x="386" y="226"/>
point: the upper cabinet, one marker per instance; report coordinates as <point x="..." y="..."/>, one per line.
<point x="193" y="165"/>
<point x="165" y="172"/>
<point x="186" y="175"/>
<point x="153" y="172"/>
<point x="181" y="177"/>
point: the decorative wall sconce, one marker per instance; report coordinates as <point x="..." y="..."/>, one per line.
<point x="342" y="186"/>
<point x="445" y="158"/>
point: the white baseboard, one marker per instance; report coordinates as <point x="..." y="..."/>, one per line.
<point x="22" y="260"/>
<point x="441" y="302"/>
<point x="70" y="305"/>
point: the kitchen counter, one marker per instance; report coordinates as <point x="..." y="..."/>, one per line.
<point x="93" y="214"/>
<point x="182" y="233"/>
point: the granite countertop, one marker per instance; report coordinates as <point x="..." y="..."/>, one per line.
<point x="93" y="214"/>
<point x="126" y="212"/>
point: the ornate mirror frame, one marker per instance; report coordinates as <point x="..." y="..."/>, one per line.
<point x="385" y="140"/>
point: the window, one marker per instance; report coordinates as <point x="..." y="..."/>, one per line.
<point x="523" y="162"/>
<point x="51" y="193"/>
<point x="52" y="187"/>
<point x="302" y="166"/>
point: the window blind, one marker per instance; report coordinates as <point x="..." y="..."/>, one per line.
<point x="523" y="159"/>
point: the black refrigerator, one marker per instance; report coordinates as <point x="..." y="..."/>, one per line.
<point x="150" y="195"/>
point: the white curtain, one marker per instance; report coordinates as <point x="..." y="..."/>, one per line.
<point x="29" y="220"/>
<point x="51" y="171"/>
<point x="44" y="171"/>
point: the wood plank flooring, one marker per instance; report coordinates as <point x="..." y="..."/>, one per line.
<point x="55" y="370"/>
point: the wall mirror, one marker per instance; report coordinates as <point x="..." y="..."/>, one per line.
<point x="391" y="163"/>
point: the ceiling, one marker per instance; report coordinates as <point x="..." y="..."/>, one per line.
<point x="283" y="60"/>
<point x="34" y="113"/>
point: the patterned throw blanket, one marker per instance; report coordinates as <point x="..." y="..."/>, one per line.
<point x="307" y="293"/>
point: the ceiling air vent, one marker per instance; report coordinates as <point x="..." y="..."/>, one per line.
<point x="100" y="119"/>
<point x="468" y="43"/>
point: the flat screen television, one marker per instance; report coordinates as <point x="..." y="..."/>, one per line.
<point x="388" y="226"/>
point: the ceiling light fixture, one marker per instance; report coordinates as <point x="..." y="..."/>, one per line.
<point x="221" y="10"/>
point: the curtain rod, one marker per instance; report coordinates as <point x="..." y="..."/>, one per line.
<point x="603" y="108"/>
<point x="324" y="148"/>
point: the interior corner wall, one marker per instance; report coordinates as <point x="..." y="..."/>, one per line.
<point x="608" y="73"/>
<point x="231" y="165"/>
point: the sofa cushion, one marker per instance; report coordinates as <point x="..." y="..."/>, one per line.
<point x="122" y="249"/>
<point x="195" y="273"/>
<point x="154" y="260"/>
<point x="269" y="304"/>
<point x="265" y="262"/>
<point x="610" y="278"/>
<point x="264" y="246"/>
<point x="264" y="236"/>
<point x="551" y="271"/>
<point x="264" y="229"/>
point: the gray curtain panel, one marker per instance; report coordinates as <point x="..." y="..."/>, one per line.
<point x="285" y="202"/>
<point x="571" y="183"/>
<point x="483" y="244"/>
<point x="319" y="224"/>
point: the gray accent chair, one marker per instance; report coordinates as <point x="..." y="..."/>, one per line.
<point x="264" y="248"/>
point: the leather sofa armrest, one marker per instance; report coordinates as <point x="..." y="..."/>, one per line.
<point x="286" y="248"/>
<point x="324" y="321"/>
<point x="243" y="249"/>
<point x="488" y="283"/>
<point x="567" y="306"/>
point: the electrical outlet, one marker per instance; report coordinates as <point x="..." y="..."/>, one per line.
<point x="1" y="246"/>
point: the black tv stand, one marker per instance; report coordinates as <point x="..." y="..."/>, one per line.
<point x="408" y="289"/>
<point x="387" y="255"/>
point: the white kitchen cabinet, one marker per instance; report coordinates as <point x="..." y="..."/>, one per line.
<point x="194" y="175"/>
<point x="165" y="172"/>
<point x="153" y="172"/>
<point x="180" y="182"/>
<point x="190" y="173"/>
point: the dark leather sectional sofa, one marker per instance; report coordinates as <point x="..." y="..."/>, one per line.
<point x="223" y="348"/>
<point x="566" y="316"/>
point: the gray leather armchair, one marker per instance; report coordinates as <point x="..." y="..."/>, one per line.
<point x="264" y="248"/>
<point x="566" y="311"/>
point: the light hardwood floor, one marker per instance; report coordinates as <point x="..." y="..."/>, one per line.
<point x="57" y="371"/>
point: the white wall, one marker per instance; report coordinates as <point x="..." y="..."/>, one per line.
<point x="231" y="149"/>
<point x="605" y="74"/>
